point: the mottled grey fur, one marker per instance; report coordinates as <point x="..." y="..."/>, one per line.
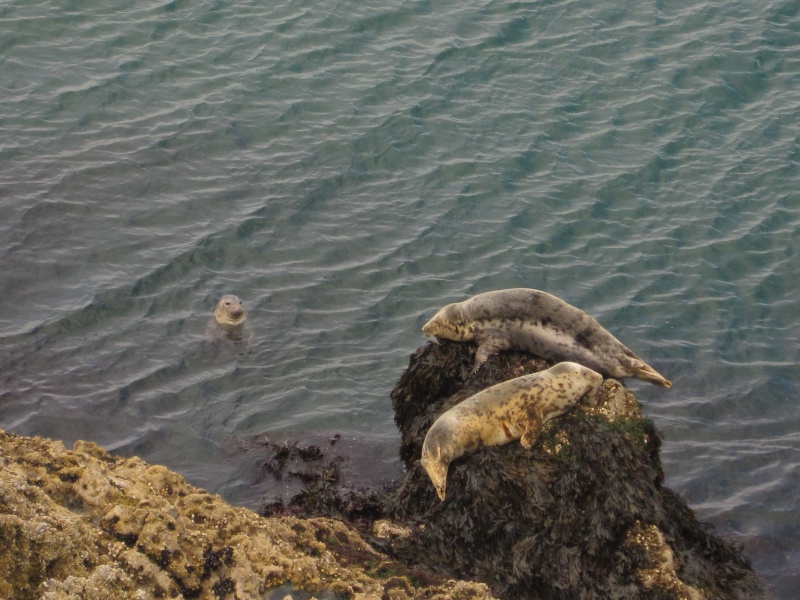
<point x="515" y="409"/>
<point x="541" y="324"/>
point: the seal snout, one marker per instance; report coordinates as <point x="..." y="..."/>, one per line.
<point x="235" y="311"/>
<point x="437" y="471"/>
<point x="430" y="328"/>
<point x="446" y="324"/>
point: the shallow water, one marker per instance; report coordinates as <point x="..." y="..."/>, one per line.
<point x="347" y="168"/>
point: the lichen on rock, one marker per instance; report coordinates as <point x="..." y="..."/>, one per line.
<point x="658" y="573"/>
<point x="83" y="524"/>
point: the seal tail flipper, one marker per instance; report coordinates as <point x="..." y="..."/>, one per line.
<point x="645" y="372"/>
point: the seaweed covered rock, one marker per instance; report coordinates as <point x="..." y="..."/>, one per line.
<point x="582" y="514"/>
<point x="324" y="490"/>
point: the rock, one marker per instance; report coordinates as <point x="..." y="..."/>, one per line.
<point x="83" y="524"/>
<point x="584" y="513"/>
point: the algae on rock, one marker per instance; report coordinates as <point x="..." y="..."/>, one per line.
<point x="83" y="524"/>
<point x="583" y="514"/>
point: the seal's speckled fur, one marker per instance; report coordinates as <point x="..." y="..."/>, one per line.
<point x="541" y="324"/>
<point x="514" y="409"/>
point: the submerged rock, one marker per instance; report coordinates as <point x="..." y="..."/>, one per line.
<point x="582" y="514"/>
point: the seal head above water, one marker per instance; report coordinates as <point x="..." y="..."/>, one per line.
<point x="228" y="323"/>
<point x="541" y="324"/>
<point x="229" y="311"/>
<point x="516" y="409"/>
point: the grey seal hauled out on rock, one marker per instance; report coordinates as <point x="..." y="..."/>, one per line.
<point x="541" y="324"/>
<point x="516" y="409"/>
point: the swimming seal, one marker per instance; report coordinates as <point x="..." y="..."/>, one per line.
<point x="541" y="324"/>
<point x="229" y="311"/>
<point x="228" y="323"/>
<point x="515" y="409"/>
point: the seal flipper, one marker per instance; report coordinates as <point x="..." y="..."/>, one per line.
<point x="641" y="370"/>
<point x="531" y="431"/>
<point x="487" y="347"/>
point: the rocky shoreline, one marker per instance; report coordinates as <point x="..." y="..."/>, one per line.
<point x="583" y="514"/>
<point x="83" y="524"/>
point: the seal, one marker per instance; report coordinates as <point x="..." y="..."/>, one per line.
<point x="541" y="324"/>
<point x="229" y="311"/>
<point x="516" y="409"/>
<point x="228" y="323"/>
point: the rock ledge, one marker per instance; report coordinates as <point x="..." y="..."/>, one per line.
<point x="83" y="524"/>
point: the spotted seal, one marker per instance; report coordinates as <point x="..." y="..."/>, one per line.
<point x="229" y="318"/>
<point x="229" y="311"/>
<point x="542" y="324"/>
<point x="515" y="409"/>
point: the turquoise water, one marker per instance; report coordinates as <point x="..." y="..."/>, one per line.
<point x="347" y="168"/>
